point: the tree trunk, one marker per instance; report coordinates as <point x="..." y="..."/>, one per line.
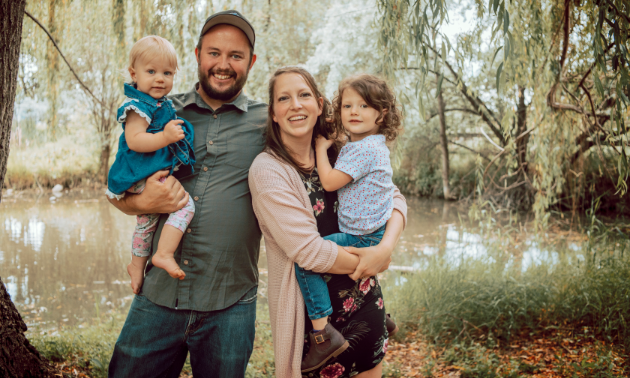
<point x="446" y="170"/>
<point x="18" y="358"/>
<point x="11" y="17"/>
<point x="103" y="168"/>
<point x="521" y="122"/>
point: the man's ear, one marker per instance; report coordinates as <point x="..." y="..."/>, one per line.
<point x="197" y="54"/>
<point x="252" y="62"/>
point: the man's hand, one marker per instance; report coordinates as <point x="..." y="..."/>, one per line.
<point x="173" y="131"/>
<point x="372" y="260"/>
<point x="322" y="143"/>
<point x="157" y="197"/>
<point x="164" y="197"/>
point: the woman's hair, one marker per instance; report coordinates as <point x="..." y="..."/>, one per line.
<point x="377" y="94"/>
<point x="150" y="47"/>
<point x="273" y="139"/>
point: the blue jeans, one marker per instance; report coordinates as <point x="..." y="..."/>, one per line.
<point x="155" y="340"/>
<point x="313" y="286"/>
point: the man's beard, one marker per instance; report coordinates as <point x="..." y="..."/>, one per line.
<point x="226" y="94"/>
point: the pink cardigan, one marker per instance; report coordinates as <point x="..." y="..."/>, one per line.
<point x="285" y="216"/>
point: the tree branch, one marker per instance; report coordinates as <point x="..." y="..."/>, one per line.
<point x="470" y="149"/>
<point x="64" y="58"/>
<point x="433" y="114"/>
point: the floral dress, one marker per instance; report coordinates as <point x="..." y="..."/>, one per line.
<point x="358" y="308"/>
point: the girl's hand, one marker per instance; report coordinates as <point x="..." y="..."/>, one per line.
<point x="173" y="131"/>
<point x="322" y="143"/>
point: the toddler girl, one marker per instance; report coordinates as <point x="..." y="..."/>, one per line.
<point x="154" y="139"/>
<point x="366" y="107"/>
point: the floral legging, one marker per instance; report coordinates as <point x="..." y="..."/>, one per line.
<point x="146" y="224"/>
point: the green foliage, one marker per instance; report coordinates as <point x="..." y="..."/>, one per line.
<point x="555" y="97"/>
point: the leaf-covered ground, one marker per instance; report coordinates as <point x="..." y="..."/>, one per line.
<point x="561" y="353"/>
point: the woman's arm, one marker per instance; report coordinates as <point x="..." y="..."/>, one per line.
<point x="157" y="197"/>
<point x="139" y="140"/>
<point x="376" y="259"/>
<point x="290" y="225"/>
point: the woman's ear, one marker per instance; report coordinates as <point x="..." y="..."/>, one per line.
<point x="320" y="102"/>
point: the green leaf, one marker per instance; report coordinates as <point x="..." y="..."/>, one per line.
<point x="495" y="55"/>
<point x="506" y="21"/>
<point x="499" y="77"/>
<point x="598" y="84"/>
<point x="439" y="85"/>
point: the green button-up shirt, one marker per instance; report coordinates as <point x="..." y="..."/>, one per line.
<point x="219" y="251"/>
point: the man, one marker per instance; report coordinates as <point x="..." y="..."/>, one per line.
<point x="212" y="312"/>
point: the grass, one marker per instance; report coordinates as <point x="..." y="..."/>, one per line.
<point x="499" y="296"/>
<point x="87" y="349"/>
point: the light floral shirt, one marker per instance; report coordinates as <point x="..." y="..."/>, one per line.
<point x="366" y="203"/>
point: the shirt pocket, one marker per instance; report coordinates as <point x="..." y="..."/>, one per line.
<point x="243" y="145"/>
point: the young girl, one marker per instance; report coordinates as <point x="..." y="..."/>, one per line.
<point x="154" y="139"/>
<point x="366" y="107"/>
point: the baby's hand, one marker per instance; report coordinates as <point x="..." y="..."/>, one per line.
<point x="322" y="143"/>
<point x="173" y="131"/>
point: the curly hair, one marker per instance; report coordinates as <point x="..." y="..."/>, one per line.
<point x="378" y="95"/>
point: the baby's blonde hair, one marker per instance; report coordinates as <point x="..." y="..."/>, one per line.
<point x="150" y="47"/>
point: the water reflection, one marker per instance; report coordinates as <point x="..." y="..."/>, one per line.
<point x="63" y="259"/>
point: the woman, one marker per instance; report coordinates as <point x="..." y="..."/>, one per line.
<point x="293" y="211"/>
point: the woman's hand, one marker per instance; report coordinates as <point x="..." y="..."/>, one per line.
<point x="376" y="259"/>
<point x="372" y="260"/>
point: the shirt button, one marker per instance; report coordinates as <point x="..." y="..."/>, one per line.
<point x="196" y="198"/>
<point x="205" y="169"/>
<point x="211" y="143"/>
<point x="185" y="262"/>
<point x="189" y="230"/>
<point x="215" y="116"/>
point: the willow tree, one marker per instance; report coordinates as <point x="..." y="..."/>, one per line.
<point x="559" y="94"/>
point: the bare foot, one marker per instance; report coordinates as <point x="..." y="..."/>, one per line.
<point x="137" y="277"/>
<point x="168" y="263"/>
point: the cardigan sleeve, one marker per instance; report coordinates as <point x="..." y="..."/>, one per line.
<point x="400" y="204"/>
<point x="287" y="221"/>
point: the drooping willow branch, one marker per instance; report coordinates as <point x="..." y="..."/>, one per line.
<point x="85" y="88"/>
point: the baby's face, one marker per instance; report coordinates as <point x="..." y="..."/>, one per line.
<point x="153" y="77"/>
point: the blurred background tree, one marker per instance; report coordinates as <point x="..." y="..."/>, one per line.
<point x="520" y="104"/>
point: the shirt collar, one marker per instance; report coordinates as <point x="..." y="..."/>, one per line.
<point x="193" y="97"/>
<point x="132" y="92"/>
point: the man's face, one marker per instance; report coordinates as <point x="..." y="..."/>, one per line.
<point x="224" y="62"/>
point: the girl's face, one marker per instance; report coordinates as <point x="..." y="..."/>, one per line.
<point x="357" y="117"/>
<point x="153" y="77"/>
<point x="295" y="107"/>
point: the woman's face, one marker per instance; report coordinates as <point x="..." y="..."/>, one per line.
<point x="295" y="107"/>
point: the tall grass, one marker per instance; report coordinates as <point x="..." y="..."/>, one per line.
<point x="501" y="295"/>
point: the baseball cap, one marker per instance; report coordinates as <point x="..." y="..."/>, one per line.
<point x="230" y="17"/>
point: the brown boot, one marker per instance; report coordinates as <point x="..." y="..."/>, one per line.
<point x="392" y="328"/>
<point x="325" y="344"/>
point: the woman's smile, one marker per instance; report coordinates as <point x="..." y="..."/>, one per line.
<point x="295" y="108"/>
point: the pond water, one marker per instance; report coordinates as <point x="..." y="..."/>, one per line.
<point x="63" y="257"/>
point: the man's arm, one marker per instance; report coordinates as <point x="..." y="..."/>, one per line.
<point x="157" y="197"/>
